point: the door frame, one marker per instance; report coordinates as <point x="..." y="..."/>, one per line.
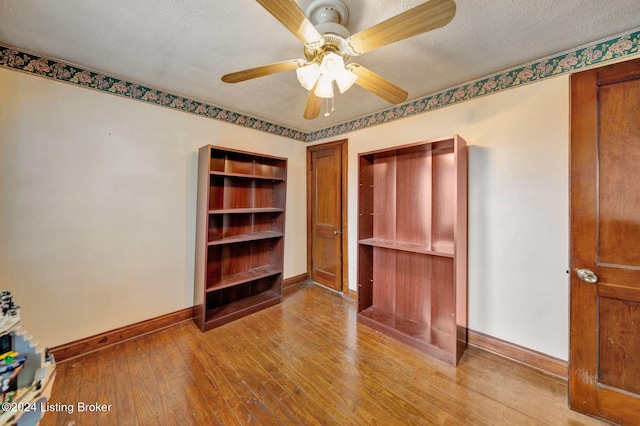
<point x="343" y="213"/>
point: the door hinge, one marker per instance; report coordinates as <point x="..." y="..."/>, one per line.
<point x="310" y="165"/>
<point x="311" y="265"/>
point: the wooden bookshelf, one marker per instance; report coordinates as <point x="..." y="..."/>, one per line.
<point x="239" y="234"/>
<point x="412" y="245"/>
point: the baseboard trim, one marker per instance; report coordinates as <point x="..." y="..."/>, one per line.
<point x="293" y="281"/>
<point x="129" y="332"/>
<point x="526" y="356"/>
<point x="534" y="359"/>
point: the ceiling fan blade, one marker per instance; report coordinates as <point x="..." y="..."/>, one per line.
<point x="291" y="16"/>
<point x="425" y="17"/>
<point x="312" y="109"/>
<point x="244" y="75"/>
<point x="378" y="85"/>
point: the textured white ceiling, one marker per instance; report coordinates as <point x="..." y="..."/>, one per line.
<point x="184" y="47"/>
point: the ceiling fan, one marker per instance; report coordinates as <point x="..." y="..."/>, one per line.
<point x="328" y="45"/>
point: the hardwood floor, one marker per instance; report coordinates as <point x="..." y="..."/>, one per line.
<point x="305" y="361"/>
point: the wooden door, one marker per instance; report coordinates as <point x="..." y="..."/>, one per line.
<point x="605" y="243"/>
<point x="327" y="207"/>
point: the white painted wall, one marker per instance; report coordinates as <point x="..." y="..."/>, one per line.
<point x="97" y="205"/>
<point x="518" y="206"/>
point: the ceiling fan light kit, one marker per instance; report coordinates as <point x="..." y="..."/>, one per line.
<point x="345" y="79"/>
<point x="331" y="69"/>
<point x="308" y="75"/>
<point x="328" y="45"/>
<point x="324" y="87"/>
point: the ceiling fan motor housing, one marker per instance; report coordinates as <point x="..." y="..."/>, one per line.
<point x="323" y="11"/>
<point x="329" y="17"/>
<point x="332" y="43"/>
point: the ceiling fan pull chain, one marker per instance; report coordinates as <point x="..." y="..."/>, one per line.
<point x="329" y="111"/>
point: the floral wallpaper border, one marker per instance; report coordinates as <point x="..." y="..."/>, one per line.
<point x="597" y="53"/>
<point x="13" y="58"/>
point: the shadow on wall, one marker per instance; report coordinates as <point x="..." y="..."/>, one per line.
<point x="480" y="260"/>
<point x="190" y="240"/>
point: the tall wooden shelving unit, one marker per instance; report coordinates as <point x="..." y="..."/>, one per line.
<point x="412" y="245"/>
<point x="239" y="234"/>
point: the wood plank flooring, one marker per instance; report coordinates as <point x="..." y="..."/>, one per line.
<point x="305" y="361"/>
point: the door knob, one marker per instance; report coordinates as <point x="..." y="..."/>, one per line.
<point x="587" y="275"/>
<point x="337" y="232"/>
